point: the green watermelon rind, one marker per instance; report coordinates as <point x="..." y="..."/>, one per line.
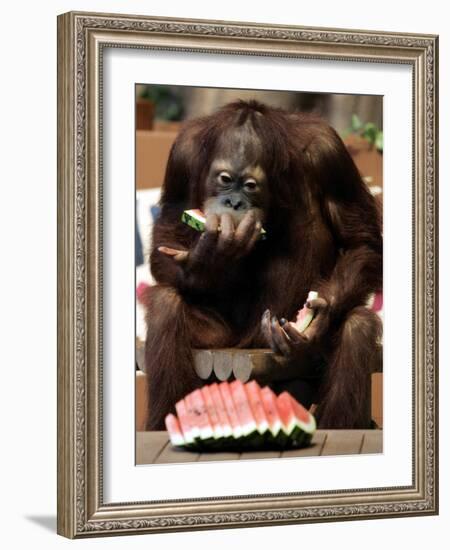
<point x="254" y="441"/>
<point x="300" y="433"/>
<point x="193" y="222"/>
<point x="297" y="436"/>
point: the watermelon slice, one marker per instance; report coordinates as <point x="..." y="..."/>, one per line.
<point x="212" y="412"/>
<point x="197" y="409"/>
<point x="195" y="429"/>
<point x="253" y="392"/>
<point x="220" y="409"/>
<point x="231" y="410"/>
<point x="196" y="219"/>
<point x="297" y="422"/>
<point x="305" y="420"/>
<point x="243" y="409"/>
<point x="189" y="431"/>
<point x="174" y="429"/>
<point x="269" y="402"/>
<point x="306" y="314"/>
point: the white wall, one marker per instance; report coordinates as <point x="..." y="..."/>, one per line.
<point x="28" y="268"/>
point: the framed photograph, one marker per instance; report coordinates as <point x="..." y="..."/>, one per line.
<point x="247" y="287"/>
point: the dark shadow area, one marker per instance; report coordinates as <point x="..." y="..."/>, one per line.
<point x="47" y="522"/>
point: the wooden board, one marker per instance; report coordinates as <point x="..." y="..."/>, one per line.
<point x="315" y="449"/>
<point x="343" y="442"/>
<point x="155" y="448"/>
<point x="170" y="455"/>
<point x="252" y="455"/>
<point x="373" y="442"/>
<point x="211" y="457"/>
<point x="149" y="445"/>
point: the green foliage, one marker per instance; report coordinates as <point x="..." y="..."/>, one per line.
<point x="379" y="141"/>
<point x="168" y="103"/>
<point x="368" y="131"/>
<point x="356" y="123"/>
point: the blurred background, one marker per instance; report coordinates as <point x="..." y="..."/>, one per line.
<point x="161" y="110"/>
<point x="177" y="103"/>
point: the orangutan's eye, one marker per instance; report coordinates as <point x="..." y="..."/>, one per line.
<point x="225" y="177"/>
<point x="250" y="184"/>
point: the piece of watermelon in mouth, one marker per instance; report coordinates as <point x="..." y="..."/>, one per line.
<point x="196" y="219"/>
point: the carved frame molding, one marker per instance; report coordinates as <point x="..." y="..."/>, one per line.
<point x="81" y="39"/>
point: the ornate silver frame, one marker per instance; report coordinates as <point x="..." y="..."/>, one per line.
<point x="81" y="38"/>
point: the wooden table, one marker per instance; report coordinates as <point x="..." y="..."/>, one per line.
<point x="155" y="447"/>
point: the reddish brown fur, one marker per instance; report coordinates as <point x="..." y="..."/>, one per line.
<point x="323" y="233"/>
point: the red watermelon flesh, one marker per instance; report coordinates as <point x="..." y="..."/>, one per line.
<point x="192" y="417"/>
<point x="269" y="402"/>
<point x="212" y="412"/>
<point x="220" y="409"/>
<point x="286" y="412"/>
<point x="185" y="423"/>
<point x="292" y="414"/>
<point x="197" y="408"/>
<point x="253" y="392"/>
<point x="305" y="419"/>
<point x="230" y="408"/>
<point x="198" y="213"/>
<point x="174" y="429"/>
<point x="242" y="406"/>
